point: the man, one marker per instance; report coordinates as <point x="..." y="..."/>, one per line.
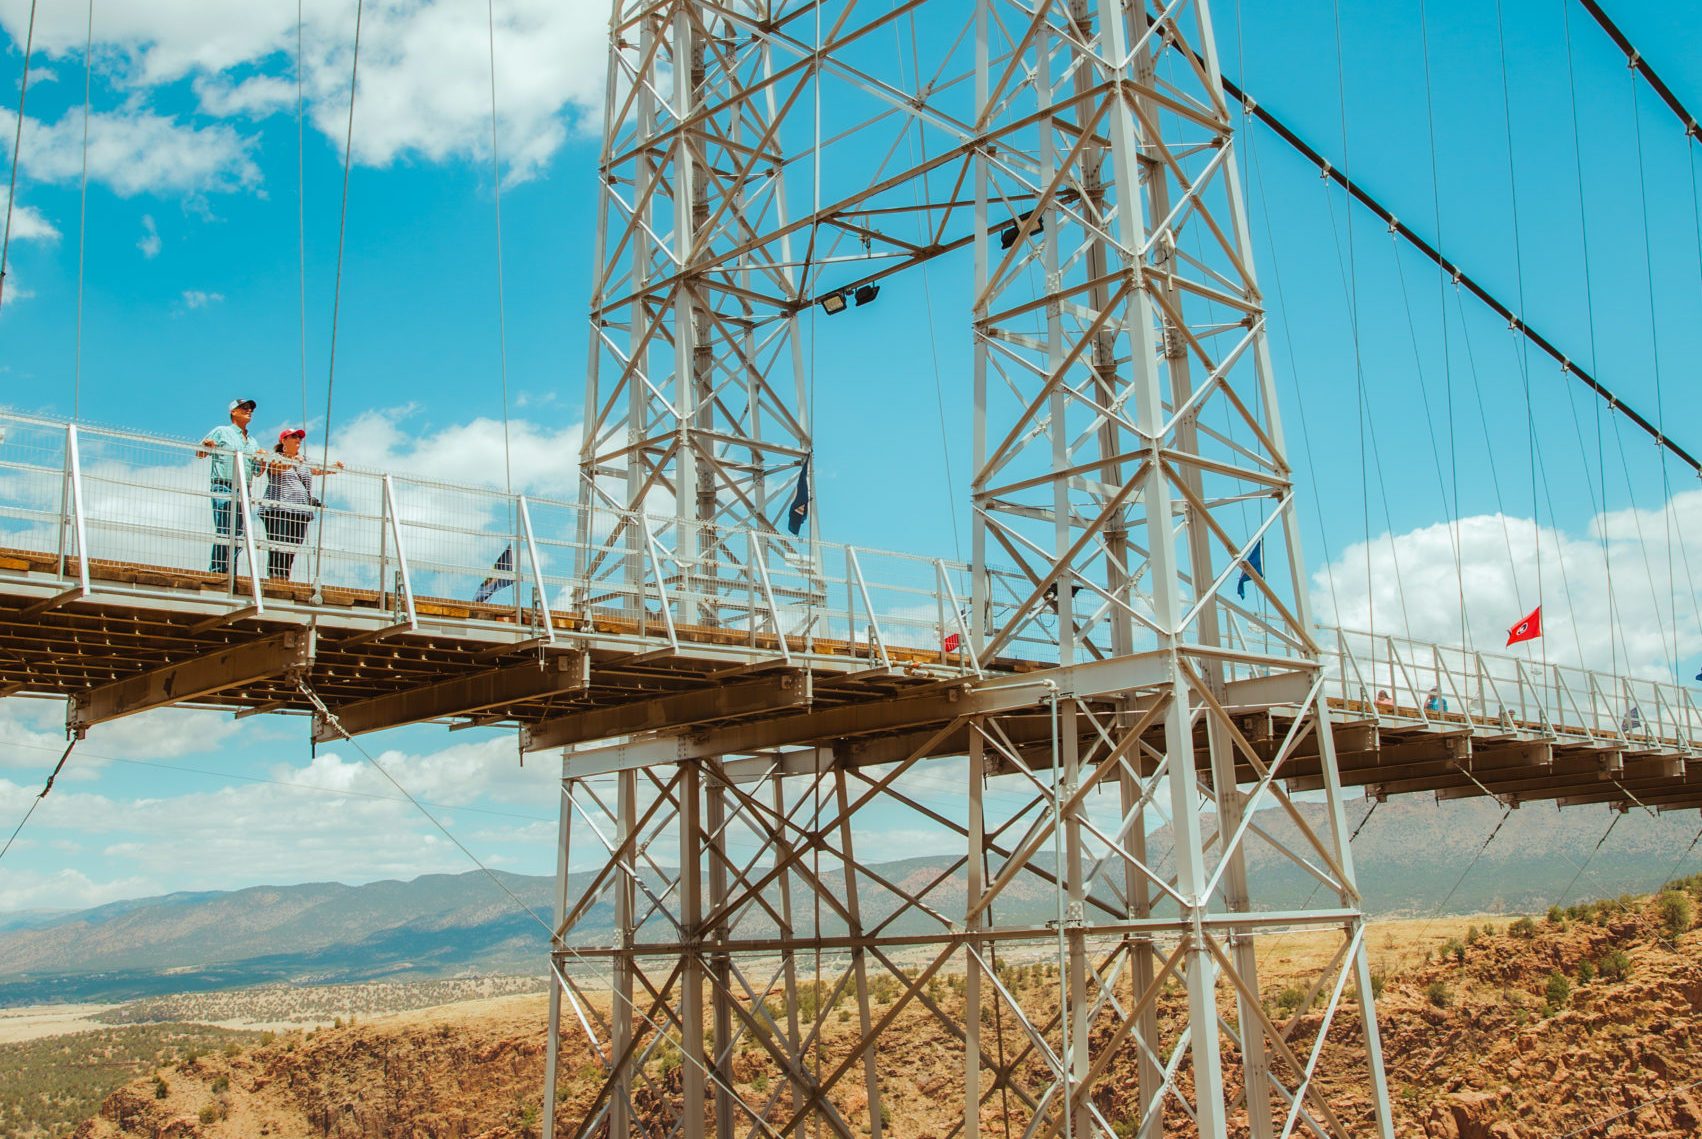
<point x="226" y="443"/>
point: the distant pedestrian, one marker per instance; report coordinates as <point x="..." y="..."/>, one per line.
<point x="1385" y="702"/>
<point x="1434" y="702"/>
<point x="287" y="506"/>
<point x="235" y="452"/>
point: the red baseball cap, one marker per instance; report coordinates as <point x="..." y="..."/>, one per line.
<point x="288" y="432"/>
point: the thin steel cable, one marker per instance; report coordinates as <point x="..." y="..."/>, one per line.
<point x="1617" y="815"/>
<point x="1633" y="1110"/>
<point x="1257" y="177"/>
<point x="337" y="286"/>
<point x="1489" y="449"/>
<point x="301" y="208"/>
<point x="1642" y="541"/>
<point x="919" y="151"/>
<point x="501" y="304"/>
<point x="17" y="147"/>
<point x="1452" y="890"/>
<point x="336" y="724"/>
<point x="1524" y="354"/>
<point x="1442" y="318"/>
<point x="1615" y="628"/>
<point x="1655" y="352"/>
<point x="1452" y="508"/>
<point x="83" y="211"/>
<point x="1363" y="411"/>
<point x="54" y="774"/>
<point x="1369" y="451"/>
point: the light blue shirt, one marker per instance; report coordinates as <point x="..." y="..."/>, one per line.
<point x="229" y="440"/>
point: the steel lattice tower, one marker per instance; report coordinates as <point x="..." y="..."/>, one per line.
<point x="1134" y="725"/>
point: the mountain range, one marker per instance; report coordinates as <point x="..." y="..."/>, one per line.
<point x="1413" y="858"/>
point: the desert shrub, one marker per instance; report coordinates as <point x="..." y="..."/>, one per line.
<point x="1586" y="972"/>
<point x="1556" y="916"/>
<point x="1472" y="935"/>
<point x="1455" y="949"/>
<point x="1558" y="991"/>
<point x="1437" y="994"/>
<point x="1614" y="965"/>
<point x="1677" y="911"/>
<point x="1378" y="979"/>
<point x="1291" y="998"/>
<point x="209" y="1113"/>
<point x="161" y="1088"/>
<point x="759" y="1083"/>
<point x="222" y="1084"/>
<point x="1524" y="928"/>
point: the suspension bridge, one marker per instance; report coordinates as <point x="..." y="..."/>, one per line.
<point x="740" y="703"/>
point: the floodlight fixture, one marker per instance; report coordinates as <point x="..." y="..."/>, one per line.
<point x="867" y="293"/>
<point x="833" y="303"/>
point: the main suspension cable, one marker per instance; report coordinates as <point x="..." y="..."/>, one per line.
<point x="1458" y="275"/>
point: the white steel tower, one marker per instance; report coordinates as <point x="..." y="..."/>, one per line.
<point x="1138" y="734"/>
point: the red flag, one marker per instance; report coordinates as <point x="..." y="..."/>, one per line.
<point x="1527" y="630"/>
<point x="951" y="643"/>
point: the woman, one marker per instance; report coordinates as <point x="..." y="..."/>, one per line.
<point x="287" y="506"/>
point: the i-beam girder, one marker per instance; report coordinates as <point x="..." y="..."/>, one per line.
<point x="186" y="680"/>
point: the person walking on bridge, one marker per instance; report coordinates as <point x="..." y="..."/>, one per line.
<point x="229" y="444"/>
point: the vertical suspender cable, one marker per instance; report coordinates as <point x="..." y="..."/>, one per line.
<point x="501" y="306"/>
<point x="1590" y="331"/>
<point x="337" y="286"/>
<point x="1655" y="352"/>
<point x="1519" y="280"/>
<point x="83" y="211"/>
<point x="17" y="145"/>
<point x="301" y="209"/>
<point x="1442" y="314"/>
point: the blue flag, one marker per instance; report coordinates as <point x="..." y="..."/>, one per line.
<point x="1253" y="564"/>
<point x="491" y="586"/>
<point x="799" y="512"/>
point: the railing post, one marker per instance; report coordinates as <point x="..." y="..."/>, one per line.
<point x="241" y="476"/>
<point x="760" y="562"/>
<point x="75" y="516"/>
<point x="406" y="593"/>
<point x="874" y="621"/>
<point x="661" y="584"/>
<point x="537" y="572"/>
<point x="964" y="640"/>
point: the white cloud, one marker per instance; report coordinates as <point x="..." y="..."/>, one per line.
<point x="331" y="817"/>
<point x="136" y="151"/>
<point x="1645" y="577"/>
<point x="196" y="298"/>
<point x="29" y="224"/>
<point x="150" y="243"/>
<point x="544" y="460"/>
<point x="32" y="733"/>
<point x="66" y="889"/>
<point x="425" y="86"/>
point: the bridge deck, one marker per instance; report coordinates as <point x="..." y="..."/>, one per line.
<point x="759" y="650"/>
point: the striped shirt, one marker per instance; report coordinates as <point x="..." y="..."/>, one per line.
<point x="290" y="483"/>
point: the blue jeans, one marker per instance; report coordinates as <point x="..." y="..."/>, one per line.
<point x="227" y="520"/>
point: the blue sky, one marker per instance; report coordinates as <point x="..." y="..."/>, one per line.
<point x="191" y="298"/>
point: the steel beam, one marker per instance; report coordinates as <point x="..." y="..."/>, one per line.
<point x="789" y="688"/>
<point x="228" y="667"/>
<point x="553" y="675"/>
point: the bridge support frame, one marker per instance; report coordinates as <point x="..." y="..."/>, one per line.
<point x="1128" y="469"/>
